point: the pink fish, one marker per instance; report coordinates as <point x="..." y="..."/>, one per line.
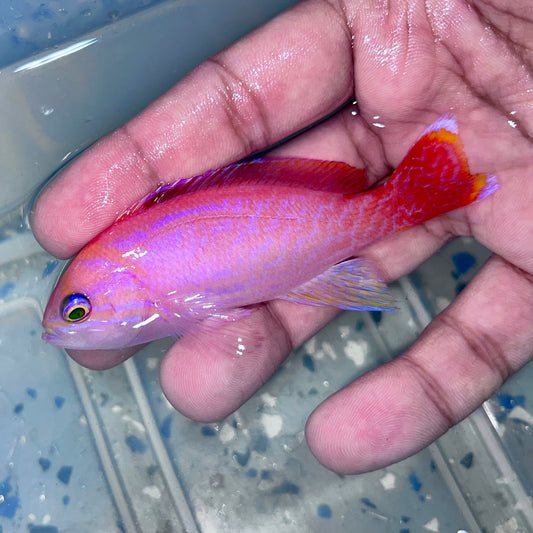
<point x="210" y="248"/>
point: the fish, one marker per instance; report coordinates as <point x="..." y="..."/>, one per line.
<point x="209" y="250"/>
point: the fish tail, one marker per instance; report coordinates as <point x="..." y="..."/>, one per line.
<point x="434" y="177"/>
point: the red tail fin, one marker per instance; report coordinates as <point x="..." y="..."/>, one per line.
<point x="434" y="177"/>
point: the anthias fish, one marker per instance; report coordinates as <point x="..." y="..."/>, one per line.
<point x="210" y="248"/>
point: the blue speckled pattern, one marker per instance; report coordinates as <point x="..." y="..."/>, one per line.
<point x="48" y="463"/>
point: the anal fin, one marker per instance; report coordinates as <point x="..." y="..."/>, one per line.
<point x="354" y="284"/>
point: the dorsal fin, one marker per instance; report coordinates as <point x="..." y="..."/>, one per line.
<point x="313" y="174"/>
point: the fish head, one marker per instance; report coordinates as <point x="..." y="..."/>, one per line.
<point x="99" y="304"/>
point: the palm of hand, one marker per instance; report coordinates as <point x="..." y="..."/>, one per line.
<point x="405" y="66"/>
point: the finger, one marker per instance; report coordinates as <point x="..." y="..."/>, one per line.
<point x="206" y="378"/>
<point x="502" y="222"/>
<point x="459" y="361"/>
<point x="208" y="374"/>
<point x="102" y="359"/>
<point x="277" y="80"/>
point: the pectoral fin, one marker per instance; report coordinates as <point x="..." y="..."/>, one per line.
<point x="354" y="284"/>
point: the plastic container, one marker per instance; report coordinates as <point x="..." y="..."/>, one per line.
<point x="91" y="451"/>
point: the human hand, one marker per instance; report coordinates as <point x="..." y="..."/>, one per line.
<point x="406" y="63"/>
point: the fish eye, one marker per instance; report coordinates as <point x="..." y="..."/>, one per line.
<point x="75" y="308"/>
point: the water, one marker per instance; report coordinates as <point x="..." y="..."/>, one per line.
<point x="104" y="451"/>
<point x="33" y="26"/>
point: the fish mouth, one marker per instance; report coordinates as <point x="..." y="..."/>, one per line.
<point x="56" y="337"/>
<point x="51" y="338"/>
